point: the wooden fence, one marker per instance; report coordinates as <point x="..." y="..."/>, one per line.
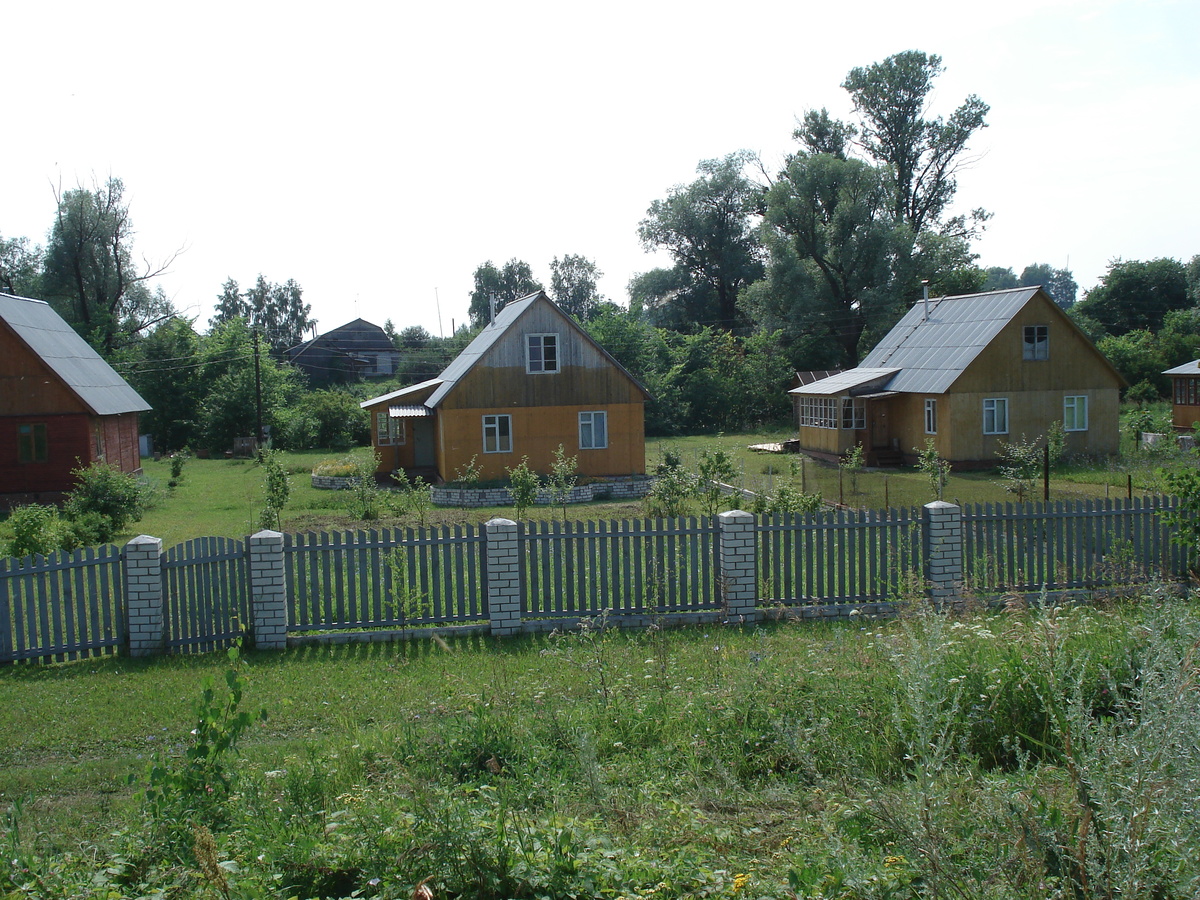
<point x="384" y="579"/>
<point x="201" y="595"/>
<point x="1068" y="546"/>
<point x="62" y="606"/>
<point x="582" y="569"/>
<point x="838" y="557"/>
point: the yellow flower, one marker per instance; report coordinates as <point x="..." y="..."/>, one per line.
<point x="894" y="862"/>
<point x="740" y="880"/>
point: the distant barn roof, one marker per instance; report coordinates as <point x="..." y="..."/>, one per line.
<point x="70" y="357"/>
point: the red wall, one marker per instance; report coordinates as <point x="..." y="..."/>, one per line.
<point x="70" y="443"/>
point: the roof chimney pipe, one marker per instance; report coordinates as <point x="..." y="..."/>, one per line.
<point x="492" y="308"/>
<point x="925" y="298"/>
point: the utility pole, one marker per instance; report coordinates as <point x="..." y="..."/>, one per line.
<point x="258" y="433"/>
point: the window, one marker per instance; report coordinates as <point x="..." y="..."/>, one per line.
<point x="931" y="417"/>
<point x="1037" y="342"/>
<point x="995" y="416"/>
<point x="593" y="430"/>
<point x="31" y="443"/>
<point x="389" y="430"/>
<point x="497" y="434"/>
<point x="1187" y="391"/>
<point x="541" y="353"/>
<point x="1075" y="413"/>
<point x="819" y="412"/>
<point x="854" y="414"/>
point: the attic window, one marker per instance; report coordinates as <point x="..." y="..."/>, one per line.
<point x="1037" y="342"/>
<point x="541" y="353"/>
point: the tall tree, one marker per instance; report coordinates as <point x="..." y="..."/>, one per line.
<point x="708" y="227"/>
<point x="1135" y="294"/>
<point x="164" y="367"/>
<point x="1058" y="283"/>
<point x="510" y="282"/>
<point x="89" y="273"/>
<point x="573" y="285"/>
<point x="277" y="311"/>
<point x="20" y="266"/>
<point x="923" y="155"/>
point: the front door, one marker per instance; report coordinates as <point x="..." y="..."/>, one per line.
<point x="423" y="455"/>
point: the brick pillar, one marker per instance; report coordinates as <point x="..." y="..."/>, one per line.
<point x="268" y="591"/>
<point x="942" y="532"/>
<point x="503" y="576"/>
<point x="142" y="565"/>
<point x="739" y="564"/>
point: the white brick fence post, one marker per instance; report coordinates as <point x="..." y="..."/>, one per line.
<point x="942" y="530"/>
<point x="739" y="564"/>
<point x="142" y="564"/>
<point x="503" y="576"/>
<point x="268" y="597"/>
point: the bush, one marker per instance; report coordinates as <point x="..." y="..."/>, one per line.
<point x="105" y="500"/>
<point x="37" y="529"/>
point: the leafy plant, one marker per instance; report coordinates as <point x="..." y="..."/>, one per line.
<point x="276" y="489"/>
<point x="1020" y="462"/>
<point x="674" y="486"/>
<point x="563" y="477"/>
<point x="716" y="467"/>
<point x="417" y="498"/>
<point x="523" y="486"/>
<point x="853" y="464"/>
<point x="106" y="499"/>
<point x="37" y="528"/>
<point x="366" y="497"/>
<point x="933" y="467"/>
<point x="406" y="598"/>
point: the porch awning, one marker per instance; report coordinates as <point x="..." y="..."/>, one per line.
<point x="846" y="382"/>
<point x="409" y="412"/>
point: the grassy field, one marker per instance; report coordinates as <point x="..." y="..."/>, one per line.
<point x="1015" y="755"/>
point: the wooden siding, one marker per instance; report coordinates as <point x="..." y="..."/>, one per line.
<point x="1185" y="417"/>
<point x="27" y="384"/>
<point x="1030" y="415"/>
<point x="537" y="432"/>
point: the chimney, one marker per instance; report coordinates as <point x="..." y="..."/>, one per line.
<point x="925" y="298"/>
<point x="492" y="308"/>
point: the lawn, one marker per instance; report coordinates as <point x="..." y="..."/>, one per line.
<point x="224" y="497"/>
<point x="935" y="756"/>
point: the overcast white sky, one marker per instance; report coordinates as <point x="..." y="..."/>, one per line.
<point x="379" y="152"/>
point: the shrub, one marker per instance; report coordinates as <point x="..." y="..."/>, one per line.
<point x="37" y="529"/>
<point x="716" y="467"/>
<point x="563" y="477"/>
<point x="104" y="501"/>
<point x="276" y="489"/>
<point x="523" y="485"/>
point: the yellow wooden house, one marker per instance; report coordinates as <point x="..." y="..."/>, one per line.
<point x="968" y="372"/>
<point x="530" y="381"/>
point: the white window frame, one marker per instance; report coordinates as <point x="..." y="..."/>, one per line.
<point x="819" y="412"/>
<point x="930" y="416"/>
<point x="590" y="420"/>
<point x="498" y="428"/>
<point x="997" y="408"/>
<point x="1035" y="342"/>
<point x="1075" y="412"/>
<point x="854" y="414"/>
<point x="535" y="354"/>
<point x="389" y="431"/>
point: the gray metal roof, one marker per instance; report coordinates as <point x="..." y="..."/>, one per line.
<point x="70" y="357"/>
<point x="411" y="392"/>
<point x="844" y="382"/>
<point x="1191" y="368"/>
<point x="409" y="412"/>
<point x="932" y="348"/>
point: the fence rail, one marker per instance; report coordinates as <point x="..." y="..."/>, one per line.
<point x="365" y="584"/>
<point x="62" y="606"/>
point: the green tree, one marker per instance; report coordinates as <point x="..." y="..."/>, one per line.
<point x="998" y="278"/>
<point x="20" y="267"/>
<point x="89" y="274"/>
<point x="708" y="229"/>
<point x="277" y="311"/>
<point x="164" y="367"/>
<point x="277" y="489"/>
<point x="573" y="286"/>
<point x="1136" y="294"/>
<point x="923" y="156"/>
<point x="563" y="476"/>
<point x="512" y="281"/>
<point x="523" y="486"/>
<point x="1058" y="283"/>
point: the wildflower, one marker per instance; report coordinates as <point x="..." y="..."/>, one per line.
<point x="740" y="880"/>
<point x="894" y="862"/>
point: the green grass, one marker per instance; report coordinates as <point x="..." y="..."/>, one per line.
<point x="926" y="756"/>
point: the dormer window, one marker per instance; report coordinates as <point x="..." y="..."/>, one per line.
<point x="541" y="353"/>
<point x="1037" y="342"/>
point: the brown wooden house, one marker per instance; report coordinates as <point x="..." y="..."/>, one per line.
<point x="530" y="381"/>
<point x="968" y="372"/>
<point x="61" y="405"/>
<point x="358" y="349"/>
<point x="1185" y="395"/>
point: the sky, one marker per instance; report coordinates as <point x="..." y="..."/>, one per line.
<point x="378" y="153"/>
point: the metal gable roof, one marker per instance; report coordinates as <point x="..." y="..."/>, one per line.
<point x="70" y="357"/>
<point x="1191" y="368"/>
<point x="844" y="382"/>
<point x="932" y="349"/>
